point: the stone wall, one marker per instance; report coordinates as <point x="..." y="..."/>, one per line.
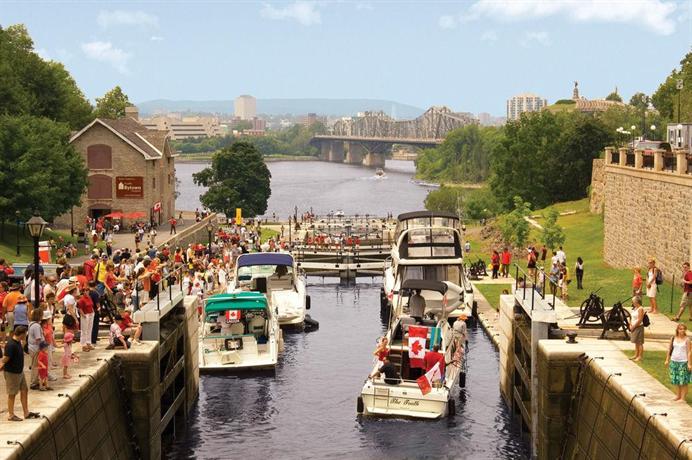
<point x="597" y="198"/>
<point x="647" y="214"/>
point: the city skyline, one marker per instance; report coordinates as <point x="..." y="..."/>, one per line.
<point x="470" y="56"/>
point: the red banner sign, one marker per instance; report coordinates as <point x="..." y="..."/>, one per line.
<point x="129" y="187"/>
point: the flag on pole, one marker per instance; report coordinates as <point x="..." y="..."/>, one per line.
<point x="435" y="335"/>
<point x="416" y="346"/>
<point x="426" y="380"/>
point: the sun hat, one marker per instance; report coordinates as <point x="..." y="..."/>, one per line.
<point x="47" y="315"/>
<point x="69" y="337"/>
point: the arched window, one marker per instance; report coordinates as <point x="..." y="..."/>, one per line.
<point x="100" y="187"/>
<point x="99" y="156"/>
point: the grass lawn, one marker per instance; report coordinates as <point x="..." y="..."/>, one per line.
<point x="492" y="292"/>
<point x="268" y="233"/>
<point x="653" y="364"/>
<point x="584" y="237"/>
<point x="8" y="244"/>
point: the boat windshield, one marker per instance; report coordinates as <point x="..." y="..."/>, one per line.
<point x="427" y="221"/>
<point x="264" y="271"/>
<point x="451" y="273"/>
<point x="430" y="242"/>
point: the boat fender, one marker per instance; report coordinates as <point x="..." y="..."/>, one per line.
<point x="311" y="323"/>
<point x="307" y="302"/>
<point x="474" y="309"/>
<point x="462" y="380"/>
<point x="360" y="407"/>
<point x="451" y="408"/>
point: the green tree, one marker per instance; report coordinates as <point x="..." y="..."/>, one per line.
<point x="640" y="101"/>
<point x="39" y="168"/>
<point x="237" y="178"/>
<point x="112" y="104"/>
<point x="546" y="157"/>
<point x="614" y="96"/>
<point x="446" y="199"/>
<point x="552" y="235"/>
<point x="514" y="226"/>
<point x="665" y="99"/>
<point x="33" y="86"/>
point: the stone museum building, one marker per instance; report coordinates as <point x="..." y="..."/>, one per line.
<point x="131" y="170"/>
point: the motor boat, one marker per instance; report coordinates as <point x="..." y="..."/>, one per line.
<point x="239" y="332"/>
<point x="427" y="246"/>
<point x="339" y="213"/>
<point x="379" y="172"/>
<point x="276" y="275"/>
<point x="418" y="392"/>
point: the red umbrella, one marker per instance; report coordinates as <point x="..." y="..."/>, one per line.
<point x="134" y="215"/>
<point x="114" y="215"/>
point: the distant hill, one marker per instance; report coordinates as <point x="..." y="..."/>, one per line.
<point x="332" y="107"/>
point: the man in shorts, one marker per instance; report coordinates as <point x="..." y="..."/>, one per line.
<point x="13" y="365"/>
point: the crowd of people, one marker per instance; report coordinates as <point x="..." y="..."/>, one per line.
<point x="101" y="294"/>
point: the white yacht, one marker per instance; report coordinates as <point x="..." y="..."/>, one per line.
<point x="428" y="246"/>
<point x="410" y="394"/>
<point x="276" y="275"/>
<point x="239" y="332"/>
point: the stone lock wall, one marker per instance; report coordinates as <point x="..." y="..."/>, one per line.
<point x="647" y="214"/>
<point x="597" y="198"/>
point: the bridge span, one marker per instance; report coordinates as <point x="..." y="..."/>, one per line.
<point x="367" y="139"/>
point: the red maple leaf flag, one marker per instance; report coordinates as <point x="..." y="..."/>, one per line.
<point x="425" y="381"/>
<point x="416" y="346"/>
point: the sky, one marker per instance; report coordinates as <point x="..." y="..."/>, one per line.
<point x="469" y="55"/>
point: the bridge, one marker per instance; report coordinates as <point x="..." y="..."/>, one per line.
<point x="367" y="139"/>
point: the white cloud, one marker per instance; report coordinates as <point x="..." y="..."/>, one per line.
<point x="156" y="38"/>
<point x="447" y="22"/>
<point x="656" y="15"/>
<point x="108" y="19"/>
<point x="489" y="36"/>
<point x="304" y="12"/>
<point x="106" y="52"/>
<point x="540" y="38"/>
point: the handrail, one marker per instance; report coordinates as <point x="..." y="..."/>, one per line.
<point x="535" y="285"/>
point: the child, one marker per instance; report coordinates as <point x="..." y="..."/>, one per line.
<point x="50" y="340"/>
<point x="67" y="354"/>
<point x="43" y="367"/>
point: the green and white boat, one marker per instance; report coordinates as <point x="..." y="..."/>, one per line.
<point x="240" y="332"/>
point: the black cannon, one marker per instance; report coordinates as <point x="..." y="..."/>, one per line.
<point x="591" y="310"/>
<point x="478" y="269"/>
<point x="615" y="319"/>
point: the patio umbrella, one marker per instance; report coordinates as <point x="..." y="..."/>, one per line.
<point x="114" y="215"/>
<point x="135" y="215"/>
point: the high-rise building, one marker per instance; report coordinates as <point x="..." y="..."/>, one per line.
<point x="526" y="102"/>
<point x="245" y="107"/>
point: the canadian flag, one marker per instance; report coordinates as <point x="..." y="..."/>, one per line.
<point x="416" y="346"/>
<point x="232" y="316"/>
<point x="425" y="381"/>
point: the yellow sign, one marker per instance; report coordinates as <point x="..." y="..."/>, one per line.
<point x="238" y="216"/>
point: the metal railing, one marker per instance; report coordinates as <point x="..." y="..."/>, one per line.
<point x="163" y="287"/>
<point x="536" y="282"/>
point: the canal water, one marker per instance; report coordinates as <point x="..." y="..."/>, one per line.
<point x="307" y="410"/>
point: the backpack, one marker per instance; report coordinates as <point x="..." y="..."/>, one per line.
<point x="659" y="276"/>
<point x="646" y="322"/>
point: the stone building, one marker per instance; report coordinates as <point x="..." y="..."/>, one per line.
<point x="646" y="207"/>
<point x="131" y="169"/>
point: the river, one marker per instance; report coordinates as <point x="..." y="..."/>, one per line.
<point x="307" y="410"/>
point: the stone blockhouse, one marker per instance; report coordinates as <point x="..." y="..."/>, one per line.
<point x="646" y="210"/>
<point x="131" y="169"/>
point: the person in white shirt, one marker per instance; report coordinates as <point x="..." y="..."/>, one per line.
<point x="416" y="306"/>
<point x="561" y="256"/>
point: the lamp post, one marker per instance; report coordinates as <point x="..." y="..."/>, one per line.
<point x="679" y="85"/>
<point x="210" y="228"/>
<point x="36" y="226"/>
<point x="645" y="105"/>
<point x="632" y="128"/>
<point x="17" y="223"/>
<point x="653" y="132"/>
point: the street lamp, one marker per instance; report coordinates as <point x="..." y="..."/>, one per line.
<point x="679" y="84"/>
<point x="632" y="128"/>
<point x="653" y="132"/>
<point x="17" y="223"/>
<point x="36" y="225"/>
<point x="210" y="228"/>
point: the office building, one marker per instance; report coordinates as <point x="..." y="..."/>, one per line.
<point x="245" y="107"/>
<point x="526" y="102"/>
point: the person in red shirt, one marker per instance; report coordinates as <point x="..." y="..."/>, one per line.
<point x="686" y="301"/>
<point x="495" y="263"/>
<point x="86" y="311"/>
<point x="89" y="267"/>
<point x="505" y="260"/>
<point x="433" y="357"/>
<point x="129" y="328"/>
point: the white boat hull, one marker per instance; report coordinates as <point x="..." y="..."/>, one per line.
<point x="404" y="400"/>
